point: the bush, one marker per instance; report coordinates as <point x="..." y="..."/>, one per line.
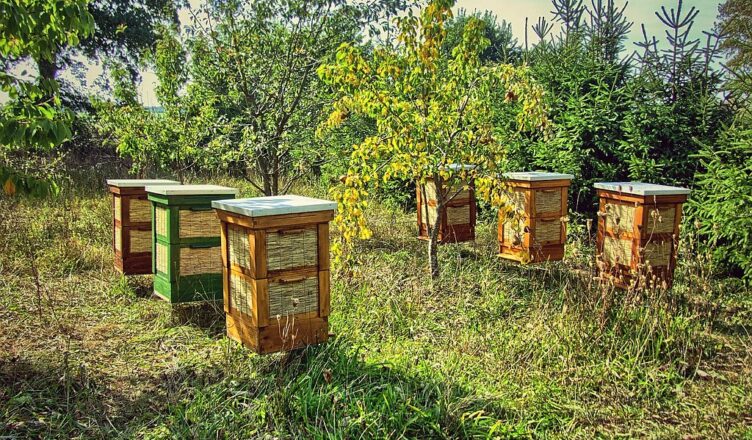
<point x="722" y="202"/>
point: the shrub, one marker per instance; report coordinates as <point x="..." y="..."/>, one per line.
<point x="722" y="202"/>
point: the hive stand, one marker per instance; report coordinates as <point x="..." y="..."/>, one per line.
<point x="638" y="228"/>
<point x="131" y="224"/>
<point x="275" y="254"/>
<point x="186" y="255"/>
<point x="457" y="217"/>
<point x="536" y="230"/>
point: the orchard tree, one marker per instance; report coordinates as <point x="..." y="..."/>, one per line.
<point x="167" y="142"/>
<point x="33" y="119"/>
<point x="431" y="111"/>
<point x="257" y="61"/>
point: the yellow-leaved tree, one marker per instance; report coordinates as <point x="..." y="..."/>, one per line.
<point x="432" y="110"/>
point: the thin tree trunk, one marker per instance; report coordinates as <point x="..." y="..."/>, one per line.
<point x="433" y="251"/>
<point x="433" y="241"/>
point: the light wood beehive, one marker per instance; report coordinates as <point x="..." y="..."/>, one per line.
<point x="457" y="217"/>
<point x="275" y="253"/>
<point x="638" y="229"/>
<point x="131" y="224"/>
<point x="535" y="229"/>
<point x="186" y="257"/>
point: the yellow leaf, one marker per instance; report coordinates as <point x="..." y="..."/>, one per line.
<point x="9" y="188"/>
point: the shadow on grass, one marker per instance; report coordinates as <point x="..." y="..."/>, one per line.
<point x="208" y="316"/>
<point x="333" y="391"/>
<point x="324" y="391"/>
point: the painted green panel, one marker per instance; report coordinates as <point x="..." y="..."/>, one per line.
<point x="189" y="288"/>
<point x="171" y="285"/>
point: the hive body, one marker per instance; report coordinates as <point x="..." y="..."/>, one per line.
<point x="535" y="230"/>
<point x="457" y="217"/>
<point x="186" y="259"/>
<point x="638" y="228"/>
<point x="275" y="256"/>
<point x="131" y="224"/>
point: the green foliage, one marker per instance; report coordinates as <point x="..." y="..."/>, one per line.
<point x="734" y="17"/>
<point x="722" y="201"/>
<point x="33" y="120"/>
<point x="36" y="28"/>
<point x="502" y="46"/>
<point x="617" y="117"/>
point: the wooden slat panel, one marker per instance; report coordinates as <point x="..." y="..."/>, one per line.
<point x="195" y="224"/>
<point x="200" y="261"/>
<point x="291" y="248"/>
<point x="548" y="201"/>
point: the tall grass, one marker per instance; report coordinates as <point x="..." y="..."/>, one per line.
<point x="501" y="350"/>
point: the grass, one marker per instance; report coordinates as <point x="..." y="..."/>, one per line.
<point x="494" y="350"/>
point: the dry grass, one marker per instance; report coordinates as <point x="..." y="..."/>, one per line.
<point x="500" y="350"/>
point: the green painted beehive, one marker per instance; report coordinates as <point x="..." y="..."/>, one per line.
<point x="186" y="256"/>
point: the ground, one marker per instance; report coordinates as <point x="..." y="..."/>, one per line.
<point x="492" y="349"/>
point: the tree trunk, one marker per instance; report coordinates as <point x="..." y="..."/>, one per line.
<point x="433" y="229"/>
<point x="267" y="178"/>
<point x="433" y="250"/>
<point x="47" y="69"/>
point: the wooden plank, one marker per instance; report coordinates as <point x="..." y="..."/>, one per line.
<point x="639" y="222"/>
<point x="226" y="289"/>
<point x="600" y="234"/>
<point x="323" y="246"/>
<point x="223" y="244"/>
<point x="289" y="333"/>
<point x="538" y="184"/>
<point x="324" y="293"/>
<point x="260" y="267"/>
<point x="527" y="238"/>
<point x="232" y="219"/>
<point x="260" y="292"/>
<point x="307" y="218"/>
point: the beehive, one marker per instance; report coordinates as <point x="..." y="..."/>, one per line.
<point x="186" y="259"/>
<point x="131" y="224"/>
<point x="456" y="217"/>
<point x="638" y="228"/>
<point x="275" y="253"/>
<point x="535" y="229"/>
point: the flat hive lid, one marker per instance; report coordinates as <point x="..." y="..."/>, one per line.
<point x="641" y="189"/>
<point x="274" y="205"/>
<point x="190" y="190"/>
<point x="137" y="183"/>
<point x="537" y="176"/>
<point x="458" y="167"/>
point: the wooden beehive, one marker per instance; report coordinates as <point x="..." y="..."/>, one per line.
<point x="638" y="228"/>
<point x="131" y="224"/>
<point x="186" y="259"/>
<point x="456" y="217"/>
<point x="275" y="253"/>
<point x="535" y="230"/>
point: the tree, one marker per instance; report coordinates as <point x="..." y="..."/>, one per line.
<point x="431" y="111"/>
<point x="257" y="61"/>
<point x="33" y="118"/>
<point x="736" y="41"/>
<point x="170" y="141"/>
<point x="502" y="46"/>
<point x="734" y="25"/>
<point x="124" y="31"/>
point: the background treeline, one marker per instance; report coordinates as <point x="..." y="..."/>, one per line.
<point x="240" y="95"/>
